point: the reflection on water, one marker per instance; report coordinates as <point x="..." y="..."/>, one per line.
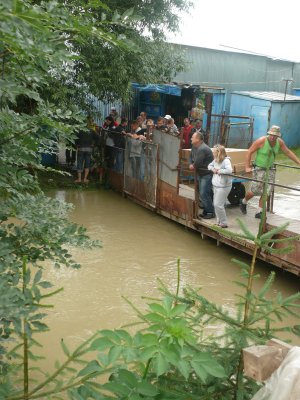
<point x="138" y="247"/>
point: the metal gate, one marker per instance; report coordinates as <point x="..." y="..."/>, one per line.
<point x="140" y="170"/>
<point x="238" y="135"/>
<point x="231" y="130"/>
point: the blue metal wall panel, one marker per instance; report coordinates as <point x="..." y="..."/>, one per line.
<point x="296" y="92"/>
<point x="218" y="107"/>
<point x="267" y="113"/>
<point x="218" y="103"/>
<point x="287" y="116"/>
<point x="250" y="107"/>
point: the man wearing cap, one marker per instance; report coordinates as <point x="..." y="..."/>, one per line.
<point x="113" y="113"/>
<point x="266" y="148"/>
<point x="166" y="118"/>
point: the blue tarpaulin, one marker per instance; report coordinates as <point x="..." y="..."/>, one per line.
<point x="167" y="89"/>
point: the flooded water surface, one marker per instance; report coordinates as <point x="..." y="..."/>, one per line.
<point x="138" y="247"/>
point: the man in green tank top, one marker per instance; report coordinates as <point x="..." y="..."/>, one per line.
<point x="266" y="149"/>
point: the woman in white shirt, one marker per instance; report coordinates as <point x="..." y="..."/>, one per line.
<point x="222" y="183"/>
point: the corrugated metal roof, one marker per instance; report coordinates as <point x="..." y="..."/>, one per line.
<point x="271" y="96"/>
<point x="235" y="71"/>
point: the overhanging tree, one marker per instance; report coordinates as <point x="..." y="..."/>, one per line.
<point x="106" y="70"/>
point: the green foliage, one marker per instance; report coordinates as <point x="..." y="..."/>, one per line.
<point x="173" y="355"/>
<point x="131" y="48"/>
<point x="33" y="228"/>
<point x="47" y="52"/>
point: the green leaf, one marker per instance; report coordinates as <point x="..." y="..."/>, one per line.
<point x="127" y="13"/>
<point x="171" y="353"/>
<point x="167" y="303"/>
<point x="101" y="344"/>
<point x="114" y="353"/>
<point x="246" y="231"/>
<point x="146" y="389"/>
<point x="157" y="308"/>
<point x="199" y="370"/>
<point x="39" y="325"/>
<point x="128" y="377"/>
<point x="160" y="365"/>
<point x="116" y="16"/>
<point x="177" y="310"/>
<point x="117" y="388"/>
<point x="184" y="368"/>
<point x="37" y="276"/>
<point x="129" y="354"/>
<point x="92" y="367"/>
<point x="149" y="339"/>
<point x="64" y="347"/>
<point x="124" y="335"/>
<point x="35" y="317"/>
<point x="214" y="369"/>
<point x="148" y="352"/>
<point x="156" y="318"/>
<point x="45" y="284"/>
<point x="112" y="335"/>
<point x="266" y="285"/>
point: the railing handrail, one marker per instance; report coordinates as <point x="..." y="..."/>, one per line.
<point x="287" y="166"/>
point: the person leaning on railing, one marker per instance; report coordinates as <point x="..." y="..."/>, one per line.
<point x="266" y="149"/>
<point x="201" y="156"/>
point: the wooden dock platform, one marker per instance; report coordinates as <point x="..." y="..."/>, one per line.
<point x="207" y="227"/>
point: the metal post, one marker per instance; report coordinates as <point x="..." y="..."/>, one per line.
<point x="286" y="85"/>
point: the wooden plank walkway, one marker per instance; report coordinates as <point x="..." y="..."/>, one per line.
<point x="252" y="223"/>
<point x="233" y="212"/>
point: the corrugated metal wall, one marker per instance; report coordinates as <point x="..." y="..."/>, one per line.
<point x="237" y="71"/>
<point x="287" y="116"/>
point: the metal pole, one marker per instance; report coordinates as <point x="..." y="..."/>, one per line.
<point x="285" y="90"/>
<point x="260" y="181"/>
<point x="286" y="85"/>
<point x="287" y="166"/>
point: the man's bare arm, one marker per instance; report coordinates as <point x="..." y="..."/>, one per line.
<point x="252" y="149"/>
<point x="289" y="153"/>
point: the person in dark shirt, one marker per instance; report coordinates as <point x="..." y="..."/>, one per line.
<point x="198" y="128"/>
<point x="160" y="124"/>
<point x="85" y="142"/>
<point x="201" y="156"/>
<point x="120" y="133"/>
<point x="119" y="136"/>
<point x="109" y="126"/>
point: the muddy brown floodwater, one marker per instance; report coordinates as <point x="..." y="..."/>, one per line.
<point x="138" y="247"/>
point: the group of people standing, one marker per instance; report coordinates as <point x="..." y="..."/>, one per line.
<point x="213" y="169"/>
<point x="212" y="166"/>
<point x="214" y="172"/>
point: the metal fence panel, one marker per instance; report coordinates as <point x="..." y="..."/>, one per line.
<point x="238" y="135"/>
<point x="140" y="170"/>
<point x="169" y="147"/>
